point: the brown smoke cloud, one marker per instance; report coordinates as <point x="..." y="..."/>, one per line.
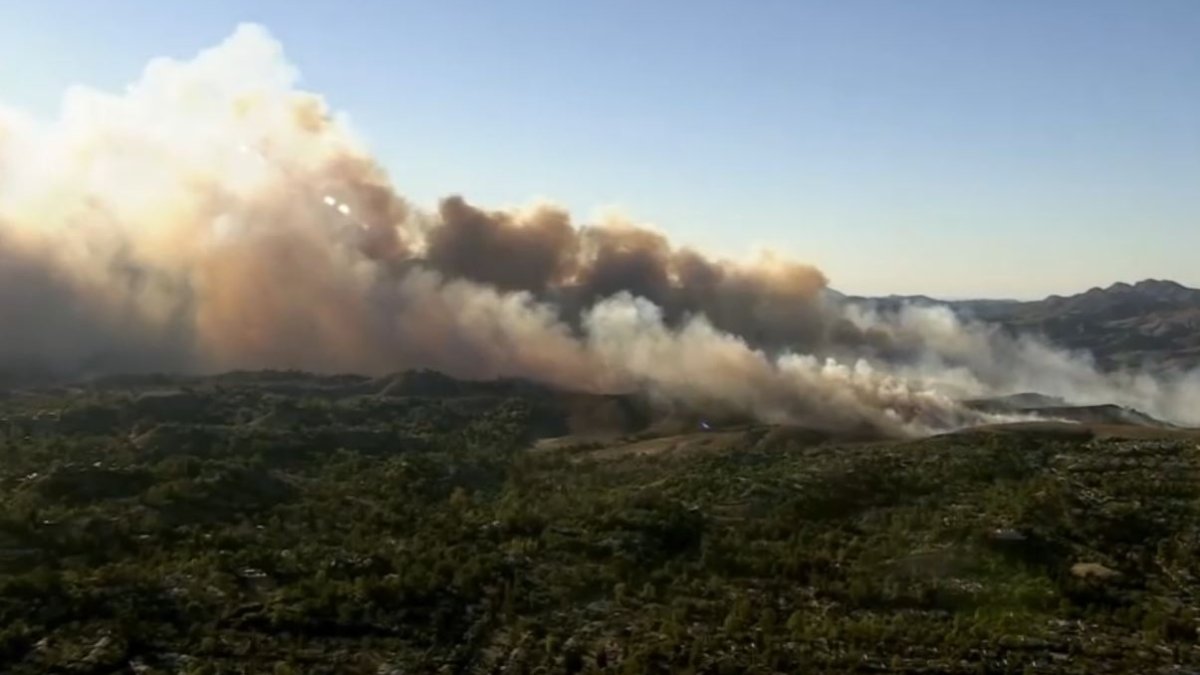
<point x="771" y="302"/>
<point x="214" y="216"/>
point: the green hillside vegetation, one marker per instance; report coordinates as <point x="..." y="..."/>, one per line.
<point x="285" y="523"/>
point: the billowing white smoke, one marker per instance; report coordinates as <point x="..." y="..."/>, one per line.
<point x="213" y="216"/>
<point x="977" y="359"/>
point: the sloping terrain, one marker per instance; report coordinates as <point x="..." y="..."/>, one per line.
<point x="1151" y="324"/>
<point x="1147" y="323"/>
<point x="289" y="523"/>
<point x="1053" y="408"/>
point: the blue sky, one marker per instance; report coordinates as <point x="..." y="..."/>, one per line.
<point x="955" y="148"/>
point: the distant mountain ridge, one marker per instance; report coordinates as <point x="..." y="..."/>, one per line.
<point x="1154" y="323"/>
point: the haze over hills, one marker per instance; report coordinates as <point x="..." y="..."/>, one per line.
<point x="1149" y="324"/>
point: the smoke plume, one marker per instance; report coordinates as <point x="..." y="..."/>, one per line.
<point x="214" y="216"/>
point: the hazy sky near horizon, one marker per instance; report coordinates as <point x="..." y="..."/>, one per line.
<point x="948" y="147"/>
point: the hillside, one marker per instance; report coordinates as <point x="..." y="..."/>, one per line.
<point x="290" y="523"/>
<point x="1150" y="322"/>
<point x="1153" y="323"/>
